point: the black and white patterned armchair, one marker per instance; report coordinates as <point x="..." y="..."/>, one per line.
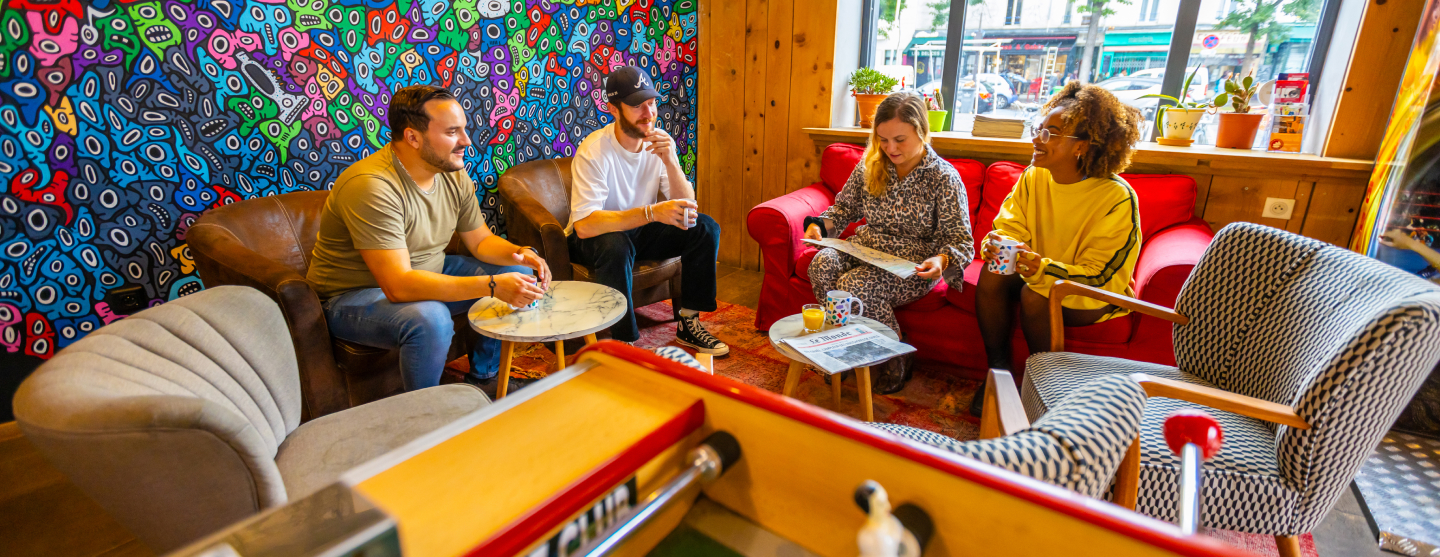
<point x="1304" y="352"/>
<point x="1078" y="445"/>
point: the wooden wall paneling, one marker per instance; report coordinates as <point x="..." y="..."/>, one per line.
<point x="705" y="166"/>
<point x="757" y="26"/>
<point x="1303" y="194"/>
<point x="812" y="70"/>
<point x="727" y="62"/>
<point x="778" y="44"/>
<point x="1235" y="199"/>
<point x="1373" y="77"/>
<point x="1334" y="206"/>
<point x="1202" y="191"/>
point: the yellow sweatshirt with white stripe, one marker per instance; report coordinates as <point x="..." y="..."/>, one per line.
<point x="1087" y="232"/>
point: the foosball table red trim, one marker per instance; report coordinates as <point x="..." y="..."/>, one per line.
<point x="1099" y="513"/>
<point x="530" y="528"/>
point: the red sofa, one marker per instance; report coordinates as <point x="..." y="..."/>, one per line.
<point x="942" y="324"/>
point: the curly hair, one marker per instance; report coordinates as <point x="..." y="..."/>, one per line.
<point x="1093" y="114"/>
<point x="908" y="107"/>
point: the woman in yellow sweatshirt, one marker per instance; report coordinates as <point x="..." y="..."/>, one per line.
<point x="1074" y="217"/>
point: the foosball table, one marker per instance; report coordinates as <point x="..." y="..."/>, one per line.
<point x="627" y="453"/>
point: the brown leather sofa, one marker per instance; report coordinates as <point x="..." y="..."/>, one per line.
<point x="535" y="198"/>
<point x="265" y="243"/>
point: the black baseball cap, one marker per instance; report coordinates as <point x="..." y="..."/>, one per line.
<point x="629" y="85"/>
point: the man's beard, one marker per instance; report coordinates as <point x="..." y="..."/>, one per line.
<point x="435" y="160"/>
<point x="630" y="128"/>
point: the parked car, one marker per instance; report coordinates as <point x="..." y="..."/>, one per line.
<point x="1129" y="89"/>
<point x="1005" y="93"/>
<point x="967" y="95"/>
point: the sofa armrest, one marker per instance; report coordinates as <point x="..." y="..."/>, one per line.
<point x="221" y="258"/>
<point x="778" y="225"/>
<point x="1167" y="260"/>
<point x="528" y="223"/>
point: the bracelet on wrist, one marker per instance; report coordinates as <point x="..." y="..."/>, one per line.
<point x="492" y="286"/>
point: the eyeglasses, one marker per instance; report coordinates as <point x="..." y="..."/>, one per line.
<point x="1044" y="134"/>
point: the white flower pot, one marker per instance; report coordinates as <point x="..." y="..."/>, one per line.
<point x="1179" y="123"/>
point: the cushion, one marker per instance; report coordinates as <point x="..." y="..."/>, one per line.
<point x="1165" y="200"/>
<point x="837" y="162"/>
<point x="972" y="173"/>
<point x="319" y="451"/>
<point x="1246" y="469"/>
<point x="1000" y="178"/>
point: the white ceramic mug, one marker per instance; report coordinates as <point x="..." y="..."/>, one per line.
<point x="1004" y="261"/>
<point x="838" y="308"/>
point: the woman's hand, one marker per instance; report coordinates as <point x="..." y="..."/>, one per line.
<point x="1027" y="262"/>
<point x="988" y="249"/>
<point x="812" y="232"/>
<point x="930" y="269"/>
<point x="1399" y="239"/>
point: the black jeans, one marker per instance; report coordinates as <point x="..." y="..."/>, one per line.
<point x="611" y="258"/>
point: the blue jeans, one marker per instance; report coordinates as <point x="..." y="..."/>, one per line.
<point x="421" y="330"/>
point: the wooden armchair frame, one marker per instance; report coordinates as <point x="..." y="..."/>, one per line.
<point x="1127" y="478"/>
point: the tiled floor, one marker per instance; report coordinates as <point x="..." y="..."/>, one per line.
<point x="42" y="514"/>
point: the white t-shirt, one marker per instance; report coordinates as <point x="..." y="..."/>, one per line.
<point x="606" y="177"/>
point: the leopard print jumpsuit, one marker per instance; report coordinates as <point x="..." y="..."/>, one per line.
<point x="921" y="217"/>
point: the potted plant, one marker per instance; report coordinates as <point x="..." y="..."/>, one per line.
<point x="1237" y="128"/>
<point x="1177" y="123"/>
<point x="869" y="88"/>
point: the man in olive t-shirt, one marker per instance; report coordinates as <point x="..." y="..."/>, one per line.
<point x="379" y="259"/>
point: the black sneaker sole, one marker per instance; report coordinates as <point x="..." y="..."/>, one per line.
<point x="706" y="350"/>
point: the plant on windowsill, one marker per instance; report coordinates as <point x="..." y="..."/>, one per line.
<point x="870" y="87"/>
<point x="1178" y="122"/>
<point x="1237" y="128"/>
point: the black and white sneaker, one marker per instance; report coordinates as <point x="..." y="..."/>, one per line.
<point x="691" y="334"/>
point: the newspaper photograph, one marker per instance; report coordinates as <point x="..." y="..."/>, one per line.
<point x="899" y="267"/>
<point x="847" y="347"/>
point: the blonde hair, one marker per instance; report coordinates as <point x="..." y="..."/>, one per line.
<point x="907" y="107"/>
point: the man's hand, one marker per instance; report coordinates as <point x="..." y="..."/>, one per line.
<point x="1027" y="262"/>
<point x="660" y="143"/>
<point x="680" y="213"/>
<point x="930" y="268"/>
<point x="812" y="232"/>
<point x="517" y="289"/>
<point x="1399" y="239"/>
<point x="528" y="258"/>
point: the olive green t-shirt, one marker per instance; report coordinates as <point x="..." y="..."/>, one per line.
<point x="375" y="205"/>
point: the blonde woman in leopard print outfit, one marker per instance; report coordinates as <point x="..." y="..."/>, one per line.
<point x="914" y="206"/>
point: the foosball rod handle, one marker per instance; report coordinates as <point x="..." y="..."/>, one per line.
<point x="1195" y="437"/>
<point x="708" y="461"/>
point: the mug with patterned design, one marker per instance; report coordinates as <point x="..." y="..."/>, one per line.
<point x="839" y="308"/>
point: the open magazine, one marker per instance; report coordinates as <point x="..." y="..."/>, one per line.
<point x="902" y="268"/>
<point x="848" y="347"/>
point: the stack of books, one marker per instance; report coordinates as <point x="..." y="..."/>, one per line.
<point x="989" y="126"/>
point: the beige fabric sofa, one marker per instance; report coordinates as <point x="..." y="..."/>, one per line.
<point x="185" y="417"/>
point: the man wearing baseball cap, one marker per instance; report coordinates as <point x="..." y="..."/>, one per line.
<point x="631" y="202"/>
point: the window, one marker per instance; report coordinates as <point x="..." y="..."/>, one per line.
<point x="1014" y="54"/>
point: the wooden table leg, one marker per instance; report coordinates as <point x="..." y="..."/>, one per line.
<point x="507" y="350"/>
<point x="559" y="355"/>
<point x="835" y="390"/>
<point x="793" y="379"/>
<point x="590" y="339"/>
<point x="867" y="405"/>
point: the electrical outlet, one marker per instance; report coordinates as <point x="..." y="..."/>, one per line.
<point x="126" y="300"/>
<point x="1276" y="208"/>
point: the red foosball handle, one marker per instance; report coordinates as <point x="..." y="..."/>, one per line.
<point x="1193" y="426"/>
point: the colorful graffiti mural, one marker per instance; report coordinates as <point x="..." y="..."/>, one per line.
<point x="121" y="122"/>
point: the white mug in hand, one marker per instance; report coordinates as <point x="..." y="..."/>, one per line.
<point x="1004" y="261"/>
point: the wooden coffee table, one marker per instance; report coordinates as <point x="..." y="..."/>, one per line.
<point x="570" y="309"/>
<point x="793" y="326"/>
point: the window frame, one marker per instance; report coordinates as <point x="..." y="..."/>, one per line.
<point x="1182" y="37"/>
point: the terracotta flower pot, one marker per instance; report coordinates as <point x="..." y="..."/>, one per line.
<point x="866" y="104"/>
<point x="1179" y="123"/>
<point x="1237" y="130"/>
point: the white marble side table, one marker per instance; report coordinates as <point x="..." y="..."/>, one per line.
<point x="794" y="326"/>
<point x="570" y="309"/>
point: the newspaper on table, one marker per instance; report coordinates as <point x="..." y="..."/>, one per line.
<point x="848" y="347"/>
<point x="902" y="268"/>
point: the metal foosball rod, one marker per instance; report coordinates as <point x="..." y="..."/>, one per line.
<point x="1196" y="437"/>
<point x="708" y="461"/>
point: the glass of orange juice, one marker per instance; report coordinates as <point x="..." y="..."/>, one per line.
<point x="814" y="316"/>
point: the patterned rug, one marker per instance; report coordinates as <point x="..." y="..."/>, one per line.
<point x="933" y="399"/>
